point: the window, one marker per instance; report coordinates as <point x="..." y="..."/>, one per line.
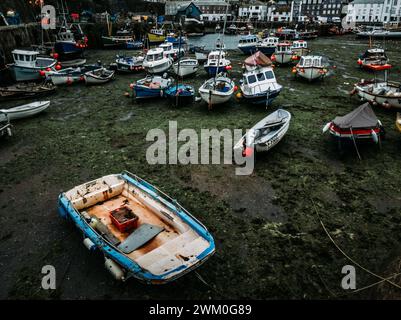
<point x="251" y="79"/>
<point x="261" y="76"/>
<point x="269" y="75"/>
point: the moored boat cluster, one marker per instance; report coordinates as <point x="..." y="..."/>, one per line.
<point x="142" y="232"/>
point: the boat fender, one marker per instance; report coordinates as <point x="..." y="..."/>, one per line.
<point x="89" y="244"/>
<point x="374" y="136"/>
<point x="326" y="127"/>
<point x="115" y="270"/>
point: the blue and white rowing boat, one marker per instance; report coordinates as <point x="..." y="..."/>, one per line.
<point x="150" y="87"/>
<point x="163" y="241"/>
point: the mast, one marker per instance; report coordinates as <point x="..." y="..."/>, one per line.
<point x="221" y="45"/>
<point x="178" y="67"/>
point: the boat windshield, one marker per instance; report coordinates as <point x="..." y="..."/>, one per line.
<point x="154" y="57"/>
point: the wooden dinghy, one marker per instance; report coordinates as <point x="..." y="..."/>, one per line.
<point x="141" y="231"/>
<point x="26" y="91"/>
<point x="26" y="110"/>
<point x="265" y="134"/>
<point x="98" y="76"/>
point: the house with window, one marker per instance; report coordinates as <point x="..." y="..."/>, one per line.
<point x="374" y="11"/>
<point x="254" y="11"/>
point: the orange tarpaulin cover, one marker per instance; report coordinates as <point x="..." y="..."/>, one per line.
<point x="258" y="59"/>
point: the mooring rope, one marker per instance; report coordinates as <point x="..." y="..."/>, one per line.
<point x="344" y="253"/>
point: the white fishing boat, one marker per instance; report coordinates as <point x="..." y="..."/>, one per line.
<point x="217" y="63"/>
<point x="98" y="76"/>
<point x="217" y="90"/>
<point x="284" y="53"/>
<point x="170" y="52"/>
<point x="259" y="84"/>
<point x="265" y="134"/>
<point x="156" y="62"/>
<point x="268" y="45"/>
<point x="186" y="67"/>
<point x="28" y="64"/>
<point x="312" y="67"/>
<point x="26" y="110"/>
<point x="300" y="48"/>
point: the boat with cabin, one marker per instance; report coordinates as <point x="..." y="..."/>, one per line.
<point x="129" y="63"/>
<point x="156" y="36"/>
<point x="156" y="62"/>
<point x="268" y="46"/>
<point x="312" y="67"/>
<point x="170" y="52"/>
<point x="300" y="48"/>
<point x="28" y="65"/>
<point x="217" y="63"/>
<point x="284" y="53"/>
<point x="248" y="44"/>
<point x="259" y="84"/>
<point x="374" y="59"/>
<point x="142" y="232"/>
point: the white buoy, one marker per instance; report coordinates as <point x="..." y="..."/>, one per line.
<point x="326" y="127"/>
<point x="114" y="269"/>
<point x="89" y="244"/>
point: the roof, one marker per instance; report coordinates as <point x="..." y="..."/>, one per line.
<point x="361" y="117"/>
<point x="367" y="2"/>
<point x="258" y="59"/>
<point x="155" y="50"/>
<point x="25" y="52"/>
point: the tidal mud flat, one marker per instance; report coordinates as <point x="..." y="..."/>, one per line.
<point x="270" y="243"/>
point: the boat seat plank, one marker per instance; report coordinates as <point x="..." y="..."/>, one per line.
<point x="139" y="237"/>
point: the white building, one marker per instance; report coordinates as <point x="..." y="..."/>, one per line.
<point x="366" y="11"/>
<point x="253" y="11"/>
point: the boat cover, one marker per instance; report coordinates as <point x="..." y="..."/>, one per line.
<point x="361" y="117"/>
<point x="258" y="59"/>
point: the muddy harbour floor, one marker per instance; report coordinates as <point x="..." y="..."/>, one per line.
<point x="270" y="243"/>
